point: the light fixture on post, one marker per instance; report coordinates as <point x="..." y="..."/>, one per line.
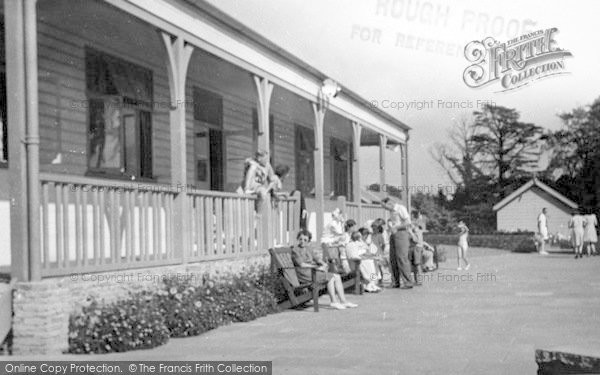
<point x="329" y="89"/>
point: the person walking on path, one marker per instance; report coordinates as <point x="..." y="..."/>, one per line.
<point x="542" y="237"/>
<point x="577" y="224"/>
<point x="463" y="245"/>
<point x="399" y="244"/>
<point x="590" y="237"/>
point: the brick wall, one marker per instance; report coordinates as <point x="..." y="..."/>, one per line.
<point x="41" y="309"/>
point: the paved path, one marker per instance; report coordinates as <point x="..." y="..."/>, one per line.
<point x="490" y="321"/>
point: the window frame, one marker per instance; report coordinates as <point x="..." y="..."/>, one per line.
<point x="143" y="170"/>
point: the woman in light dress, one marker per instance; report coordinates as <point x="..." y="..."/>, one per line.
<point x="359" y="249"/>
<point x="576" y="224"/>
<point x="463" y="245"/>
<point x="590" y="237"/>
<point x="333" y="232"/>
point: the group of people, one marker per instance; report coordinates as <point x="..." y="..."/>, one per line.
<point x="396" y="245"/>
<point x="261" y="180"/>
<point x="583" y="232"/>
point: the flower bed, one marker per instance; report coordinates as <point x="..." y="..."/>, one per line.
<point x="178" y="309"/>
<point x="517" y="242"/>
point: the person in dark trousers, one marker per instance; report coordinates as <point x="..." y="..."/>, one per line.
<point x="399" y="243"/>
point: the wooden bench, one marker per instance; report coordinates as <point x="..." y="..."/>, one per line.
<point x="298" y="293"/>
<point x="350" y="280"/>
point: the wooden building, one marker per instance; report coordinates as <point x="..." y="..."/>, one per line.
<point x="520" y="209"/>
<point x="126" y="118"/>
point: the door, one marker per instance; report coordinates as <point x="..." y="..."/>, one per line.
<point x="208" y="140"/>
<point x="305" y="160"/>
<point x="340" y="156"/>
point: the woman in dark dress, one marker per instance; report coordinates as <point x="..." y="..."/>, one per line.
<point x="304" y="259"/>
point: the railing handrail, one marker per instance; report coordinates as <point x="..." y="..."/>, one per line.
<point x="220" y="194"/>
<point x="365" y="205"/>
<point x="370" y="205"/>
<point x="125" y="184"/>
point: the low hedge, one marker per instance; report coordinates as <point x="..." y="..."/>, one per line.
<point x="517" y="242"/>
<point x="135" y="323"/>
<point x="178" y="309"/>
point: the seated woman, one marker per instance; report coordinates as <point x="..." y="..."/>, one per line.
<point x="304" y="259"/>
<point x="359" y="249"/>
<point x="428" y="252"/>
<point x="333" y="232"/>
<point x="345" y="239"/>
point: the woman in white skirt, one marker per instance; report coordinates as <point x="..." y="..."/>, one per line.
<point x="590" y="237"/>
<point x="576" y="225"/>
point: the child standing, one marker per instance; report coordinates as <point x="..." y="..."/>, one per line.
<point x="463" y="245"/>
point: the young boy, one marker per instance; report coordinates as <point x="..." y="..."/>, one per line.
<point x="463" y="245"/>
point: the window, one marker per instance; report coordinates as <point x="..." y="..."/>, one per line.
<point x="3" y="125"/>
<point x="120" y="116"/>
<point x="305" y="164"/>
<point x="209" y="144"/>
<point x="340" y="167"/>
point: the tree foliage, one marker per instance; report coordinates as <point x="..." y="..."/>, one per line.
<point x="576" y="155"/>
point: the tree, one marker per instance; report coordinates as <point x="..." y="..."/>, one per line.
<point x="576" y="155"/>
<point x="461" y="161"/>
<point x="509" y="149"/>
<point x="458" y="157"/>
<point x="438" y="218"/>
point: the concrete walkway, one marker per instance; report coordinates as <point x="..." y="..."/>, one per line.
<point x="489" y="319"/>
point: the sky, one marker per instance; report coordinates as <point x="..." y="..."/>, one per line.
<point x="411" y="53"/>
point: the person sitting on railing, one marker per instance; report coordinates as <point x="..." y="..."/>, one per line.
<point x="304" y="259"/>
<point x="258" y="174"/>
<point x="358" y="248"/>
<point x="276" y="184"/>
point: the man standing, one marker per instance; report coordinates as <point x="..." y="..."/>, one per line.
<point x="399" y="243"/>
<point x="542" y="225"/>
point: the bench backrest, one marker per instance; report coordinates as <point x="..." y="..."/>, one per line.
<point x="282" y="258"/>
<point x="331" y="252"/>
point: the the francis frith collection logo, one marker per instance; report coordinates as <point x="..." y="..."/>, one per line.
<point x="515" y="63"/>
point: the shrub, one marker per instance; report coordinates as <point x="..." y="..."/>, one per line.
<point x="518" y="242"/>
<point x="190" y="310"/>
<point x="178" y="309"/>
<point x="135" y="323"/>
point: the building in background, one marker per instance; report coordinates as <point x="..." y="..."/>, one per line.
<point x="520" y="209"/>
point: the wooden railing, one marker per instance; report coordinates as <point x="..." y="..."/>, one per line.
<point x="367" y="212"/>
<point x="285" y="221"/>
<point x="223" y="225"/>
<point x="372" y="212"/>
<point x="94" y="225"/>
<point x="91" y="225"/>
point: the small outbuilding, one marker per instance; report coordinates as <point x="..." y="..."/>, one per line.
<point x="520" y="209"/>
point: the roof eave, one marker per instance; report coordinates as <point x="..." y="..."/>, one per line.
<point x="221" y="18"/>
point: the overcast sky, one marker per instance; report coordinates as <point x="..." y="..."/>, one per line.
<point x="412" y="51"/>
